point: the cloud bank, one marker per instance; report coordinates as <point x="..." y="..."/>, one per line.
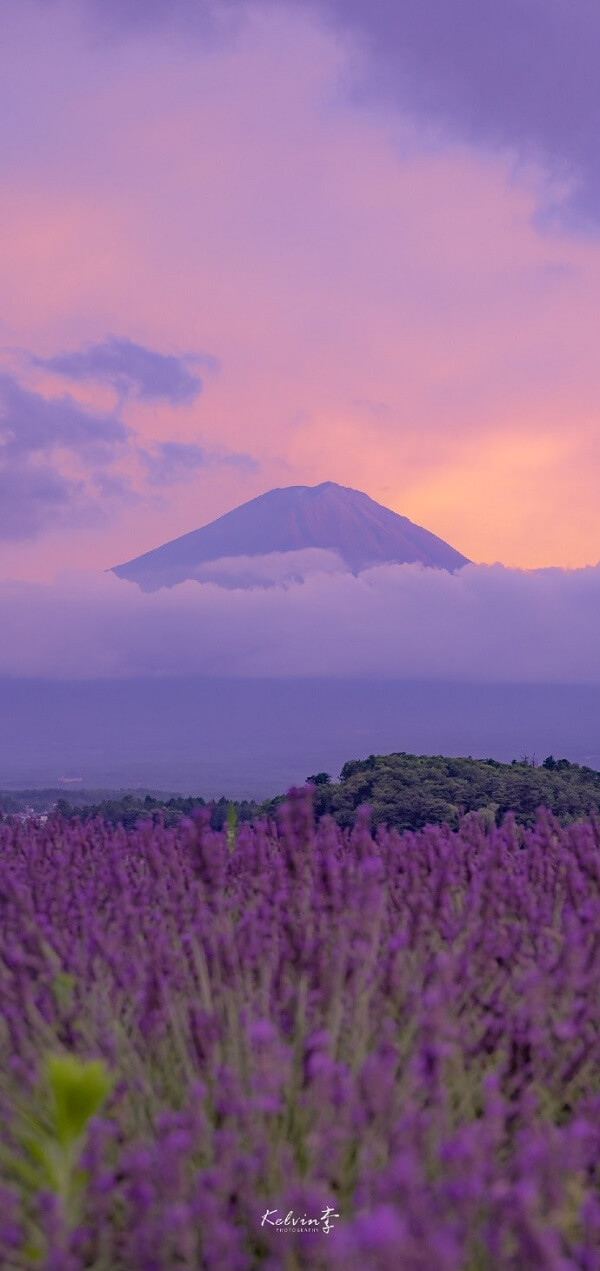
<point x="484" y="623"/>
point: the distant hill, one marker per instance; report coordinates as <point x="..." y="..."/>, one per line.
<point x="402" y="790"/>
<point x="293" y="519"/>
<point x="411" y="791"/>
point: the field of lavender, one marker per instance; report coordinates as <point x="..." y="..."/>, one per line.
<point x="281" y="1046"/>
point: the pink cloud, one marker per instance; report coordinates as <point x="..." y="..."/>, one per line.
<point x="233" y="200"/>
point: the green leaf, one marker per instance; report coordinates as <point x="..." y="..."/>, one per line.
<point x="32" y="1252"/>
<point x="29" y="1175"/>
<point x="39" y="1151"/>
<point x="231" y="826"/>
<point x="79" y="1089"/>
<point x="63" y="987"/>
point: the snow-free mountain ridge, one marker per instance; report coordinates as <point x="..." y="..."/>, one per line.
<point x="292" y="519"/>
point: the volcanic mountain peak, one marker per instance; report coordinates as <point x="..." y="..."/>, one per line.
<point x="292" y="519"/>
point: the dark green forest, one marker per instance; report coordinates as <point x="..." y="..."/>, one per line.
<point x="402" y="790"/>
<point x="131" y="808"/>
<point x="411" y="791"/>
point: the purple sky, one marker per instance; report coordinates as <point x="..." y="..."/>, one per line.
<point x="249" y="246"/>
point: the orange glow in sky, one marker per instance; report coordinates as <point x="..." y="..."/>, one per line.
<point x="386" y="313"/>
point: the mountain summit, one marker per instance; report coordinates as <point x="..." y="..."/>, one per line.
<point x="296" y="518"/>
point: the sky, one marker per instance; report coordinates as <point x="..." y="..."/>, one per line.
<point x="253" y="246"/>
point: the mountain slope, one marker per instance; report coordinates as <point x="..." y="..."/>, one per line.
<point x="327" y="516"/>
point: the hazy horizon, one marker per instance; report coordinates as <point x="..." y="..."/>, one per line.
<point x="254" y="738"/>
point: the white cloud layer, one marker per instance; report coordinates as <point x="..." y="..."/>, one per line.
<point x="483" y="623"/>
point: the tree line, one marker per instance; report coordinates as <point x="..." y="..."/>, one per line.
<point x="403" y="790"/>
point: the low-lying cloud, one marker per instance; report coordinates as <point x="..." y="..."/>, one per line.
<point x="484" y="623"/>
<point x="274" y="569"/>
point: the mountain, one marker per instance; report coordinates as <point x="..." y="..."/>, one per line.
<point x="293" y="519"/>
